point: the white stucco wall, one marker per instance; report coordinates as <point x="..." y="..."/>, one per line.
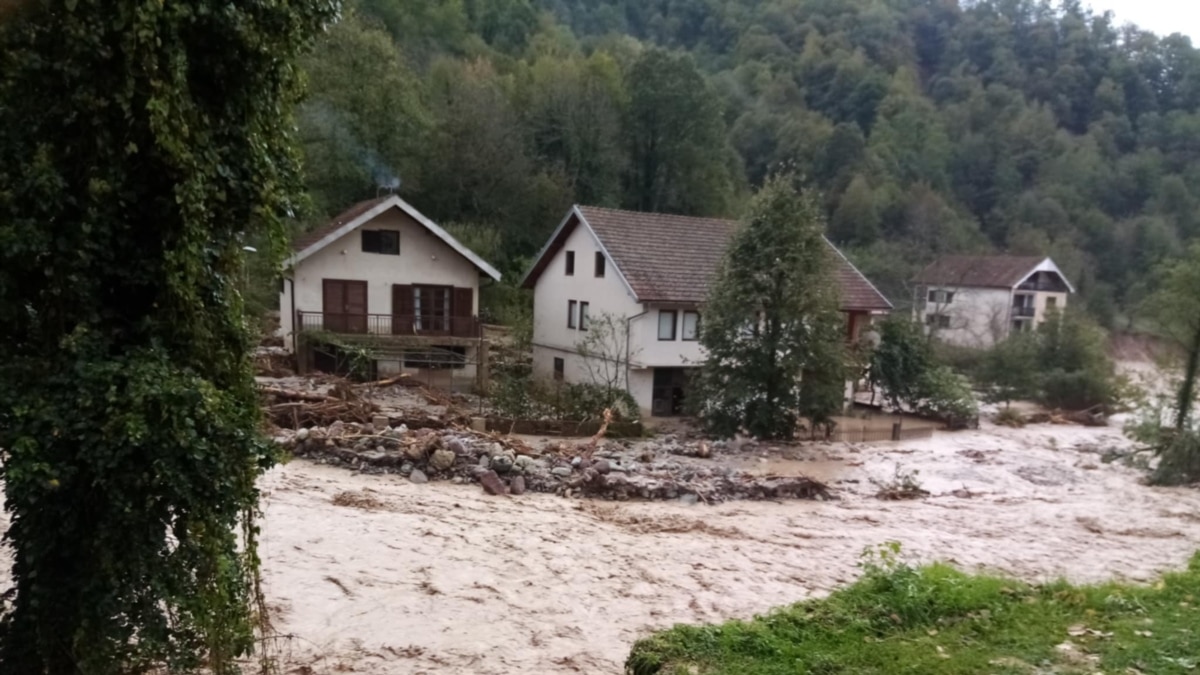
<point x="1039" y="303"/>
<point x="423" y="259"/>
<point x="650" y="351"/>
<point x="554" y="289"/>
<point x="978" y="316"/>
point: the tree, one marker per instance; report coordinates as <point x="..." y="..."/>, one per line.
<point x="606" y="353"/>
<point x="772" y="331"/>
<point x="900" y="361"/>
<point x="364" y="125"/>
<point x="681" y="160"/>
<point x="1075" y="369"/>
<point x="1010" y="369"/>
<point x="1176" y="308"/>
<point x="140" y="144"/>
<point x="856" y="219"/>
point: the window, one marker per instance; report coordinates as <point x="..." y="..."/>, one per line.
<point x="937" y="320"/>
<point x="941" y="297"/>
<point x="570" y="263"/>
<point x="691" y="326"/>
<point x="666" y="324"/>
<point x="559" y="368"/>
<point x="386" y="242"/>
<point x="571" y="314"/>
<point x="599" y="265"/>
<point x="1051" y="302"/>
<point x="583" y="316"/>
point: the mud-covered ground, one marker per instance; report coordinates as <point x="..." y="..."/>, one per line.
<point x="372" y="574"/>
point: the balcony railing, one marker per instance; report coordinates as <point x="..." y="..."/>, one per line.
<point x="1049" y="286"/>
<point x="429" y="325"/>
<point x="1024" y="311"/>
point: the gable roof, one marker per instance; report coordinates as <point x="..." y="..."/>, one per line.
<point x="363" y="212"/>
<point x="668" y="258"/>
<point x="986" y="271"/>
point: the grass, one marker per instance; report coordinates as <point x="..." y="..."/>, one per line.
<point x="936" y="620"/>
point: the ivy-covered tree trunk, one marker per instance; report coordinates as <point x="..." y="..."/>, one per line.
<point x="140" y="144"/>
<point x="772" y="331"/>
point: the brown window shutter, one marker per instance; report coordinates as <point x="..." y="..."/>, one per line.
<point x="402" y="309"/>
<point x="462" y="305"/>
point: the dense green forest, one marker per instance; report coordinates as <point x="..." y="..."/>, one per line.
<point x="928" y="126"/>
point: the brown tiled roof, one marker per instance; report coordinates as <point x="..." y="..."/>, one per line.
<point x="309" y="238"/>
<point x="988" y="271"/>
<point x="669" y="258"/>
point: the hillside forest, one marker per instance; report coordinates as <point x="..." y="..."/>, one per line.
<point x="927" y="126"/>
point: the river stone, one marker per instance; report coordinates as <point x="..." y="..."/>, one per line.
<point x="601" y="466"/>
<point x="492" y="484"/>
<point x="442" y="460"/>
<point x="485" y="462"/>
<point x="561" y="471"/>
<point x="418" y="476"/>
<point x="517" y="485"/>
<point x="456" y="446"/>
<point x="502" y="463"/>
<point x="302" y="434"/>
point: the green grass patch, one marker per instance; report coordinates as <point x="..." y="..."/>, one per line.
<point x="936" y="620"/>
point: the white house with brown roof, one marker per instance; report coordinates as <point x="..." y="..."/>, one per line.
<point x="650" y="272"/>
<point x="384" y="277"/>
<point x="977" y="301"/>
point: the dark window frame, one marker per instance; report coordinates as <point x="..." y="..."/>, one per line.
<point x="674" y="314"/>
<point x="584" y="319"/>
<point x="570" y="264"/>
<point x="560" y="367"/>
<point x="571" y="323"/>
<point x="600" y="265"/>
<point x="381" y="242"/>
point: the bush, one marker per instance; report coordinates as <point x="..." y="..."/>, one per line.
<point x="1009" y="417"/>
<point x="947" y="396"/>
<point x="517" y="394"/>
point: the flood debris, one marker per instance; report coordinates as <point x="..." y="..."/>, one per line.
<point x="594" y="468"/>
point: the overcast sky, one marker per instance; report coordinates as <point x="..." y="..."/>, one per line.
<point x="1160" y="16"/>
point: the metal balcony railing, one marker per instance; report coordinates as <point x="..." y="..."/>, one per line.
<point x="1024" y="311"/>
<point x="430" y="325"/>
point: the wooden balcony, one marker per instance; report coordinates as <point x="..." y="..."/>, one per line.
<point x="384" y="325"/>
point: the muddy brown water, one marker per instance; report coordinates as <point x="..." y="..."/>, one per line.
<point x="374" y="575"/>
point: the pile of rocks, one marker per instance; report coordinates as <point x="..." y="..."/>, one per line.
<point x="503" y="466"/>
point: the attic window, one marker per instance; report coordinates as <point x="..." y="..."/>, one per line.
<point x="599" y="265"/>
<point x="386" y="242"/>
<point x="941" y="297"/>
<point x="570" y="263"/>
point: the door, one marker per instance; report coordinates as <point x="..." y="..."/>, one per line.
<point x="669" y="392"/>
<point x="344" y="305"/>
<point x="432" y="310"/>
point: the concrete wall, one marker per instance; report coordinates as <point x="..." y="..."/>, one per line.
<point x="423" y="259"/>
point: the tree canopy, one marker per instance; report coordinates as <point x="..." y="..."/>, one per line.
<point x="928" y="126"/>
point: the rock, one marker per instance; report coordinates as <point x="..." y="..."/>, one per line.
<point x="502" y="463"/>
<point x="379" y="421"/>
<point x="406" y="468"/>
<point x="524" y="463"/>
<point x="485" y="462"/>
<point x="601" y="466"/>
<point x="415" y="452"/>
<point x="456" y="446"/>
<point x="492" y="484"/>
<point x="442" y="459"/>
<point x="575" y="462"/>
<point x="368" y="428"/>
<point x="517" y="485"/>
<point x="418" y="476"/>
<point x="302" y="434"/>
<point x="688" y="498"/>
<point x="561" y="471"/>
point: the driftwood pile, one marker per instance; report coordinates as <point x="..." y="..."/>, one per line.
<point x="293" y="409"/>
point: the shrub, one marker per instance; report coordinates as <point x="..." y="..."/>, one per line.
<point x="1009" y="417"/>
<point x="947" y="396"/>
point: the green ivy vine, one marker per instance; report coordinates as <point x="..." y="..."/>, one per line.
<point x="141" y="143"/>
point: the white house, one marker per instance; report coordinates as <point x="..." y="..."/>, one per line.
<point x="977" y="301"/>
<point x="650" y="272"/>
<point x="383" y="277"/>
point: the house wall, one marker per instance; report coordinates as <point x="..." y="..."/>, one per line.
<point x="423" y="259"/>
<point x="648" y="350"/>
<point x="1039" y="304"/>
<point x="979" y="317"/>
<point x="554" y="289"/>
